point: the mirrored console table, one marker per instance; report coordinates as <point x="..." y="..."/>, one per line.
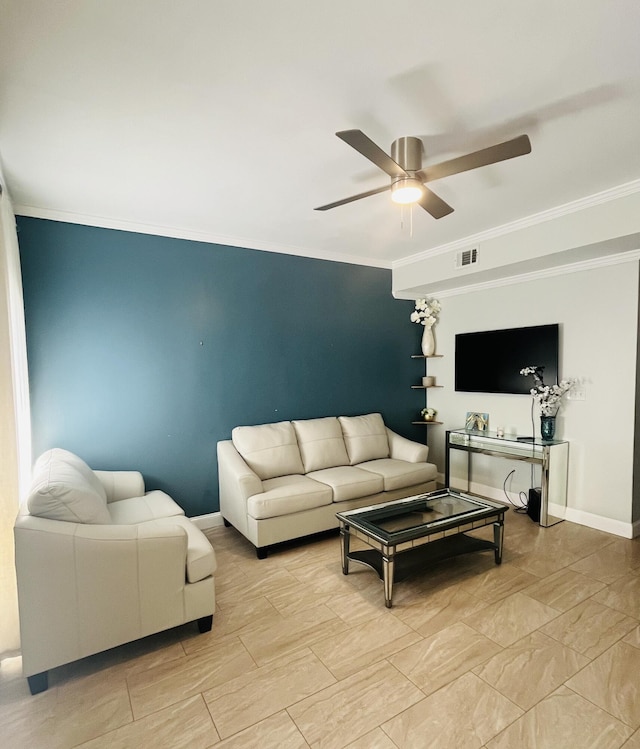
<point x="551" y="455"/>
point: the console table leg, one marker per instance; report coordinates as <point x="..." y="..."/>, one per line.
<point x="387" y="575"/>
<point x="447" y="463"/>
<point x="498" y="537"/>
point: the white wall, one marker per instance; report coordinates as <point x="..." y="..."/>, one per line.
<point x="598" y="314"/>
<point x="598" y="227"/>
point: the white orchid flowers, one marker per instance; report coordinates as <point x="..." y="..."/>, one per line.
<point x="426" y="312"/>
<point x="548" y="396"/>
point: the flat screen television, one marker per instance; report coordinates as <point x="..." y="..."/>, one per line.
<point x="490" y="361"/>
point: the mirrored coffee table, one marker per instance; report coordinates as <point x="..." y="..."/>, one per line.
<point x="407" y="535"/>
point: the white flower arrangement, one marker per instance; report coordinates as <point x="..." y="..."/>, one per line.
<point x="426" y="312"/>
<point x="548" y="396"/>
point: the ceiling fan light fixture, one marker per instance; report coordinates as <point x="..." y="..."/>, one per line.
<point x="406" y="190"/>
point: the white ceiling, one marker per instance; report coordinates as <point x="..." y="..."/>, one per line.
<point x="215" y="119"/>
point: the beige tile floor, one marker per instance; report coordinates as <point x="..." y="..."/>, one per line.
<point x="542" y="652"/>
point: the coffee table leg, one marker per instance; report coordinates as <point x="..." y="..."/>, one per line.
<point x="498" y="536"/>
<point x="344" y="549"/>
<point x="387" y="573"/>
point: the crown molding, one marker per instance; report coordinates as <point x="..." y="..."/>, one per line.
<point x="560" y="270"/>
<point x="103" y="222"/>
<point x="599" y="198"/>
<point x="606" y="196"/>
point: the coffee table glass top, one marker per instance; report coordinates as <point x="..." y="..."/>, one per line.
<point x="401" y="520"/>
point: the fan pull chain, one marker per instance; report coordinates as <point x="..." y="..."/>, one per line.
<point x="402" y="210"/>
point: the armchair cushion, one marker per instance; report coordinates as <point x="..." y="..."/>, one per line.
<point x="153" y="505"/>
<point x="365" y="437"/>
<point x="65" y="488"/>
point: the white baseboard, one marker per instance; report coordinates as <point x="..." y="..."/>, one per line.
<point x="206" y="522"/>
<point x="616" y="527"/>
<point x="598" y="522"/>
<point x="490" y="492"/>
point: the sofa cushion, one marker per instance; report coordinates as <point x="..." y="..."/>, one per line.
<point x="321" y="443"/>
<point x="270" y="450"/>
<point x="153" y="505"/>
<point x="201" y="558"/>
<point x="349" y="482"/>
<point x="365" y="437"/>
<point x="287" y="494"/>
<point x="64" y="488"/>
<point x="398" y="474"/>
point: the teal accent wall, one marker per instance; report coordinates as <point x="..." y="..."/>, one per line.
<point x="144" y="351"/>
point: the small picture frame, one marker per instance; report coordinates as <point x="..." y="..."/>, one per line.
<point x="476" y="422"/>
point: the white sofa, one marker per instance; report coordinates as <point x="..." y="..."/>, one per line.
<point x="99" y="563"/>
<point x="286" y="480"/>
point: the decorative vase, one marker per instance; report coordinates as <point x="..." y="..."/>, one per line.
<point x="428" y="341"/>
<point x="547" y="427"/>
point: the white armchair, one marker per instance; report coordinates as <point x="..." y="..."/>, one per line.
<point x="100" y="563"/>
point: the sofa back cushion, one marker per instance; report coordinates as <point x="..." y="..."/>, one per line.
<point x="270" y="450"/>
<point x="63" y="487"/>
<point x="365" y="437"/>
<point x="321" y="443"/>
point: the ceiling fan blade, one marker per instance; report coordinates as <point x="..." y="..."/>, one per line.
<point x="364" y="145"/>
<point x="434" y="204"/>
<point x="352" y="198"/>
<point x="501" y="152"/>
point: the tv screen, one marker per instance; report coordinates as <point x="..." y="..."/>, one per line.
<point x="490" y="361"/>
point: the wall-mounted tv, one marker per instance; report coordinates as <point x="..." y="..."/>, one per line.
<point x="490" y="361"/>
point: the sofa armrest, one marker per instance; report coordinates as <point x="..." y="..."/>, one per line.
<point x="72" y="577"/>
<point x="234" y="468"/>
<point x="237" y="482"/>
<point x="121" y="484"/>
<point x="403" y="449"/>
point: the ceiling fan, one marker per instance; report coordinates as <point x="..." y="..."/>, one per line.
<point x="408" y="178"/>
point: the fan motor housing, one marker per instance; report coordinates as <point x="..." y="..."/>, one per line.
<point x="407" y="152"/>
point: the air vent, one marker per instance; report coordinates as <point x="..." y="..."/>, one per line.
<point x="466" y="257"/>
